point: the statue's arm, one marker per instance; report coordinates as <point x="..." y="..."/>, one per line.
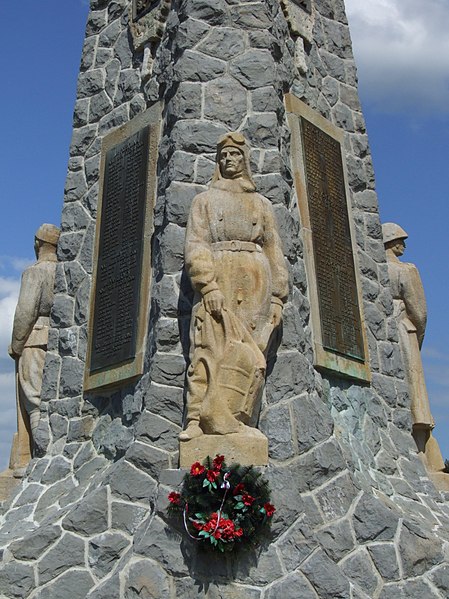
<point x="27" y="310"/>
<point x="415" y="300"/>
<point x="273" y="250"/>
<point x="198" y="254"/>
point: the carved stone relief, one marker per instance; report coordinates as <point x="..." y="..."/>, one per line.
<point x="300" y="17"/>
<point x="234" y="259"/>
<point x="147" y="24"/>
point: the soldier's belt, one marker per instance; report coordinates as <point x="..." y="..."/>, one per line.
<point x="237" y="246"/>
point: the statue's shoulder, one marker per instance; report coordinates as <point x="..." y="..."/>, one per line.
<point x="202" y="198"/>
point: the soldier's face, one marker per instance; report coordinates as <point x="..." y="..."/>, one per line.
<point x="231" y="162"/>
<point x="399" y="247"/>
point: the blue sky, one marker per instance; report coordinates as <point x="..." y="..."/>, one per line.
<point x="402" y="52"/>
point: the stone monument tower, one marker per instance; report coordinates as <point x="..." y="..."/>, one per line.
<point x="160" y="84"/>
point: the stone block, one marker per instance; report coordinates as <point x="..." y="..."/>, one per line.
<point x="82" y="139"/>
<point x="336" y="498"/>
<point x="126" y="516"/>
<point x="16" y="580"/>
<point x="385" y="559"/>
<point x="147" y="458"/>
<point x="440" y="578"/>
<point x="80" y="429"/>
<point x="74" y="584"/>
<point x="312" y="420"/>
<point x="146" y="579"/>
<point x="168" y="369"/>
<point x="66" y="553"/>
<point x="72" y="371"/>
<point x="161" y="544"/>
<point x="62" y="311"/>
<point x="89" y="517"/>
<point x="292" y="374"/>
<point x="57" y="469"/>
<point x="265" y="570"/>
<point x="131" y="484"/>
<point x="69" y="246"/>
<point x="225" y="100"/>
<point x="360" y="570"/>
<point x="104" y="552"/>
<point x="50" y="377"/>
<point x="158" y="431"/>
<point x="171" y="243"/>
<point x="212" y="12"/>
<point x="223" y="43"/>
<point x="275" y="423"/>
<point x="247" y="448"/>
<point x="252" y="16"/>
<point x="197" y="136"/>
<point x="253" y="69"/>
<point x="292" y="587"/>
<point x="297" y="544"/>
<point x="195" y="66"/>
<point x="190" y="32"/>
<point x="165" y="401"/>
<point x="35" y="544"/>
<point x="420" y="550"/>
<point x="262" y="130"/>
<point x="373" y="520"/>
<point x="178" y="197"/>
<point x="326" y="577"/>
<point x="336" y="539"/>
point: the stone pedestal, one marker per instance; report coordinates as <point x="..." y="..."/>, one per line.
<point x="7" y="483"/>
<point x="240" y="448"/>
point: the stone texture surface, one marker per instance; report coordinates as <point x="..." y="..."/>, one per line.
<point x="356" y="515"/>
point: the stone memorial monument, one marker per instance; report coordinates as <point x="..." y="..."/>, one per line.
<point x="410" y="310"/>
<point x="204" y="342"/>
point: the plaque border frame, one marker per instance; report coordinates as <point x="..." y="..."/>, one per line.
<point x="323" y="358"/>
<point x="113" y="376"/>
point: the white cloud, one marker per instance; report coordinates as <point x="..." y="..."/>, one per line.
<point x="8" y="424"/>
<point x="402" y="51"/>
<point x="9" y="291"/>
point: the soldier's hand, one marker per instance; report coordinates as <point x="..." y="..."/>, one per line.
<point x="276" y="314"/>
<point x="214" y="303"/>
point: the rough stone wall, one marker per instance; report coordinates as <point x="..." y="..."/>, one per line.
<point x="356" y="515"/>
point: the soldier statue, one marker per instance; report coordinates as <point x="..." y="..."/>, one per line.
<point x="31" y="322"/>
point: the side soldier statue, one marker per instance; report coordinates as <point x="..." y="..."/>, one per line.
<point x="31" y="322"/>
<point x="410" y="310"/>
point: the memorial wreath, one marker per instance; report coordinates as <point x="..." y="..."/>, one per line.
<point x="227" y="506"/>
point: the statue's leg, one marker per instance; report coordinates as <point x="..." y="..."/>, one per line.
<point x="196" y="390"/>
<point x="31" y="367"/>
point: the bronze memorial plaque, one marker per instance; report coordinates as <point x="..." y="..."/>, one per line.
<point x="120" y="251"/>
<point x="341" y="324"/>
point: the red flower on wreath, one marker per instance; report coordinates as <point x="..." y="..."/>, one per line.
<point x="197" y="469"/>
<point x="247" y="499"/>
<point x="269" y="509"/>
<point x="174" y="498"/>
<point x="218" y="461"/>
<point x="239" y="489"/>
<point x="212" y="475"/>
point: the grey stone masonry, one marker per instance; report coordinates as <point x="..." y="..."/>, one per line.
<point x="356" y="515"/>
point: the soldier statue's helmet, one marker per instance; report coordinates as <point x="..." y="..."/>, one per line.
<point x="48" y="233"/>
<point x="392" y="232"/>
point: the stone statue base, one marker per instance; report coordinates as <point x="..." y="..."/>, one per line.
<point x="8" y="482"/>
<point x="241" y="448"/>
